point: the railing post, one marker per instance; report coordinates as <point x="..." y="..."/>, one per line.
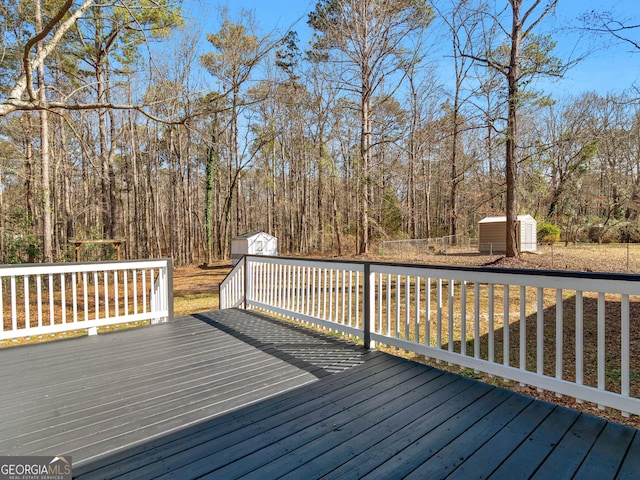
<point x="169" y="289"/>
<point x="247" y="283"/>
<point x="368" y="307"/>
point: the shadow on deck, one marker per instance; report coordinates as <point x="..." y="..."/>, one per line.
<point x="232" y="394"/>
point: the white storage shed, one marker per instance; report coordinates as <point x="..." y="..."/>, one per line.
<point x="254" y="243"/>
<point x="492" y="234"/>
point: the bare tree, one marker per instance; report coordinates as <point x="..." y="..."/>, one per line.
<point x="523" y="56"/>
<point x="368" y="38"/>
<point x="238" y="51"/>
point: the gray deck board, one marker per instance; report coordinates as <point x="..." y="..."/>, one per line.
<point x="234" y="394"/>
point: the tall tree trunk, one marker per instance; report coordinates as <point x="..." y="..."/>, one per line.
<point x="365" y="174"/>
<point x="453" y="192"/>
<point x="105" y="180"/>
<point x="511" y="158"/>
<point x="210" y="171"/>
<point x="47" y="229"/>
<point x="29" y="179"/>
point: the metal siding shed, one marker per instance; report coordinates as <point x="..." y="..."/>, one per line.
<point x="492" y="233"/>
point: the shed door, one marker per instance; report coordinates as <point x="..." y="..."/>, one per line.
<point x="527" y="239"/>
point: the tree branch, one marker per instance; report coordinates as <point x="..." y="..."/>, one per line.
<point x="38" y="38"/>
<point x="24" y="82"/>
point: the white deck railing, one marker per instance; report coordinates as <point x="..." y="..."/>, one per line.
<point x="566" y="332"/>
<point x="39" y="299"/>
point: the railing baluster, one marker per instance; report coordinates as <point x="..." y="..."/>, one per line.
<point x="105" y="285"/>
<point x="559" y="334"/>
<point x="624" y="346"/>
<point x="74" y="295"/>
<point x="407" y="300"/>
<point x="144" y="291"/>
<point x="307" y="310"/>
<point x="116" y="293"/>
<point x="63" y="298"/>
<point x="27" y="320"/>
<point x="523" y="327"/>
<point x="350" y="313"/>
<point x="299" y="295"/>
<point x="337" y="296"/>
<point x="463" y="318"/>
<point x="288" y="285"/>
<point x="274" y="284"/>
<point x="152" y="290"/>
<point x="324" y="294"/>
<point x="491" y="332"/>
<point x="344" y="299"/>
<point x="333" y="287"/>
<point x="579" y="338"/>
<point x="314" y="289"/>
<point x="388" y="305"/>
<point x="125" y="274"/>
<point x="14" y="305"/>
<point x="439" y="313"/>
<point x="96" y="294"/>
<point x="51" y="300"/>
<point x="358" y="315"/>
<point x="450" y="315"/>
<point x="427" y="320"/>
<point x="1" y="305"/>
<point x="476" y="320"/>
<point x="85" y="294"/>
<point x="506" y="325"/>
<point x="601" y="343"/>
<point x="398" y="304"/>
<point x="540" y="333"/>
<point x="279" y="285"/>
<point x="416" y="313"/>
<point x="135" y="291"/>
<point x="379" y="303"/>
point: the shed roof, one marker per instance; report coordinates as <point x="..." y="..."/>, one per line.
<point x="503" y="218"/>
<point x="251" y="235"/>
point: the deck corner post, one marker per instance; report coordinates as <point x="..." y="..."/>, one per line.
<point x="169" y="289"/>
<point x="368" y="308"/>
<point x="245" y="286"/>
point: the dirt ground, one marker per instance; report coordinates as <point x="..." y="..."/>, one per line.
<point x="192" y="279"/>
<point x="198" y="280"/>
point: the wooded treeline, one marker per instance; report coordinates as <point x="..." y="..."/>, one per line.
<point x="329" y="145"/>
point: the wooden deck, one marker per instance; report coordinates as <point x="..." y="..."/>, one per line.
<point x="232" y="394"/>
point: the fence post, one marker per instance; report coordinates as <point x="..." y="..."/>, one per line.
<point x="368" y="308"/>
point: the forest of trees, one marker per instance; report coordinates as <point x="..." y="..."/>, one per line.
<point x="117" y="122"/>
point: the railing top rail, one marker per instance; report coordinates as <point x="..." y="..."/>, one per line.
<point x="344" y="264"/>
<point x="78" y="267"/>
<point x="232" y="272"/>
<point x="569" y="274"/>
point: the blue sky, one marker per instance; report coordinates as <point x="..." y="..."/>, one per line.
<point x="603" y="70"/>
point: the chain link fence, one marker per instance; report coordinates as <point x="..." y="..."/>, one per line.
<point x="418" y="249"/>
<point x="462" y="250"/>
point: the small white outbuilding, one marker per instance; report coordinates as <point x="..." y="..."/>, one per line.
<point x="492" y="234"/>
<point x="253" y="243"/>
